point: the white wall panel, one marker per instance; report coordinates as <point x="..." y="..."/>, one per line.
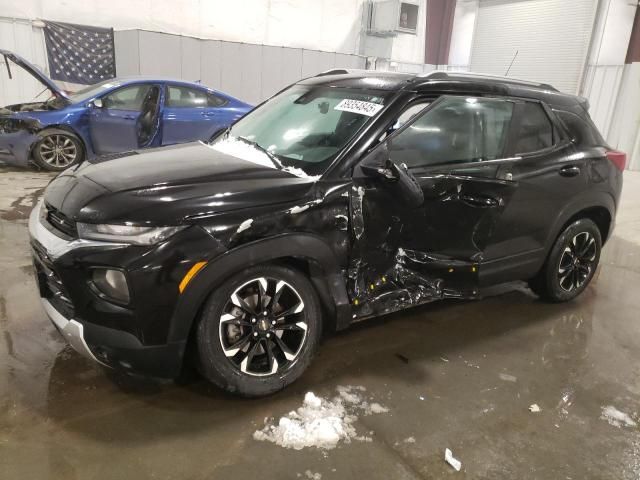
<point x="21" y="37"/>
<point x="159" y="54"/>
<point x="190" y="59"/>
<point x="247" y="71"/>
<point x="128" y="59"/>
<point x="210" y="63"/>
<point x="551" y="38"/>
<point x="331" y="25"/>
<point x="251" y="86"/>
<point x="231" y="73"/>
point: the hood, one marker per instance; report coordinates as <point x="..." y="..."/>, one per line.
<point x="31" y="69"/>
<point x="170" y="186"/>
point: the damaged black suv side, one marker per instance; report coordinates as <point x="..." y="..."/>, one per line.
<point x="345" y="196"/>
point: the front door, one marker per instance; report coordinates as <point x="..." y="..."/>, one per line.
<point x="126" y="120"/>
<point x="405" y="255"/>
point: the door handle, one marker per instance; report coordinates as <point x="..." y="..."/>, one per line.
<point x="208" y="114"/>
<point x="479" y="201"/>
<point x="129" y="117"/>
<point x="570" y="171"/>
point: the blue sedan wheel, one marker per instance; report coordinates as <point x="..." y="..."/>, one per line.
<point x="57" y="150"/>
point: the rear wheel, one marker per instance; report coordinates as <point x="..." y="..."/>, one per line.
<point x="571" y="264"/>
<point x="57" y="150"/>
<point x="259" y="331"/>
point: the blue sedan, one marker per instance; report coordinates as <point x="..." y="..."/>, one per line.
<point x="117" y="115"/>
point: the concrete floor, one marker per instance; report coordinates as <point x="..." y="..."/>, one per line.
<point x="477" y="366"/>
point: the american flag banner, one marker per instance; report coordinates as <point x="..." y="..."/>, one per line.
<point x="79" y="53"/>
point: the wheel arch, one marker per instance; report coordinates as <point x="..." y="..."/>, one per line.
<point x="65" y="128"/>
<point x="306" y="252"/>
<point x="598" y="206"/>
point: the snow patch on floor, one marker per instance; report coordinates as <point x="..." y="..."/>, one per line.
<point x="617" y="418"/>
<point x="320" y="422"/>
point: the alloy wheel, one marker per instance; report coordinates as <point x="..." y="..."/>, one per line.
<point x="263" y="326"/>
<point x="58" y="150"/>
<point x="577" y="261"/>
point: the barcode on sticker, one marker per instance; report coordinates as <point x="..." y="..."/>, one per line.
<point x="358" y="106"/>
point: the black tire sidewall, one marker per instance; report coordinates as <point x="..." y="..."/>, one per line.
<point x="71" y="136"/>
<point x="217" y="368"/>
<point x="554" y="291"/>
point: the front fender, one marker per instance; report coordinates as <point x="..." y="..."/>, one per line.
<point x="308" y="247"/>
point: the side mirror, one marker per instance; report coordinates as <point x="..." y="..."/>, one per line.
<point x="97" y="103"/>
<point x="396" y="178"/>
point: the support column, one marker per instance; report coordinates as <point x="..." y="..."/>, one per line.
<point x="439" y="27"/>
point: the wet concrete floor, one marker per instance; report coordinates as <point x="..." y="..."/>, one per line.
<point x="453" y="375"/>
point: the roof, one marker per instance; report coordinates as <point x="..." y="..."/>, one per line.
<point x="145" y="78"/>
<point x="439" y="82"/>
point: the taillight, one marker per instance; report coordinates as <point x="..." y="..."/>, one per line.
<point x="618" y="158"/>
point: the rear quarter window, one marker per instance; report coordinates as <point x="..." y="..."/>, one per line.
<point x="581" y="131"/>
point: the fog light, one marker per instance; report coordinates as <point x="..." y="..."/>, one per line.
<point x="111" y="283"/>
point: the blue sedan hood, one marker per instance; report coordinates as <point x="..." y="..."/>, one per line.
<point x="34" y="71"/>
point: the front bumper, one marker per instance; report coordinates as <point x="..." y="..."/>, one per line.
<point x="71" y="330"/>
<point x="86" y="321"/>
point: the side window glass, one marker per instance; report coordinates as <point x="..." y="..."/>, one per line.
<point x="580" y="130"/>
<point x="456" y="130"/>
<point x="127" y="98"/>
<point x="214" y="100"/>
<point x="404" y="117"/>
<point x="535" y="131"/>
<point x="183" y="97"/>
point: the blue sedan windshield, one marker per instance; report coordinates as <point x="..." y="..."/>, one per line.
<point x="91" y="91"/>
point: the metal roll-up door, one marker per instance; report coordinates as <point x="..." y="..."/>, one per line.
<point x="551" y="38"/>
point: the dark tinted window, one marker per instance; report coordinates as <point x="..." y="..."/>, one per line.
<point x="456" y="130"/>
<point x="127" y="98"/>
<point x="581" y="132"/>
<point x="215" y="100"/>
<point x="183" y="97"/>
<point x="536" y="131"/>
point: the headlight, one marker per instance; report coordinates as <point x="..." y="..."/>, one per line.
<point x="126" y="233"/>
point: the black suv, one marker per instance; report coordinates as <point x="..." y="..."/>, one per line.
<point x="345" y="196"/>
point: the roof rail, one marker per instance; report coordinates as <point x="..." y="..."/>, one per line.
<point x="334" y="71"/>
<point x="443" y="75"/>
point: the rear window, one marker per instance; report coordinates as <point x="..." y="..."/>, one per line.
<point x="581" y="131"/>
<point x="536" y="131"/>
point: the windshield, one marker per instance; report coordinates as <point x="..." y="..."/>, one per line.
<point x="91" y="91"/>
<point x="305" y="127"/>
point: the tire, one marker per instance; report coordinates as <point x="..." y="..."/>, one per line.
<point x="230" y="328"/>
<point x="57" y="150"/>
<point x="571" y="263"/>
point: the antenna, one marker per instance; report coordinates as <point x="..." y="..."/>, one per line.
<point x="512" y="60"/>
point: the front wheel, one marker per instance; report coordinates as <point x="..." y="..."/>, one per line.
<point x="57" y="150"/>
<point x="571" y="264"/>
<point x="259" y="331"/>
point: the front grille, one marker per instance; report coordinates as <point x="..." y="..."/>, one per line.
<point x="61" y="222"/>
<point x="49" y="281"/>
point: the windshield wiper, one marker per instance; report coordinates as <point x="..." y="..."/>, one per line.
<point x="271" y="156"/>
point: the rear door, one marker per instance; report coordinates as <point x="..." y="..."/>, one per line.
<point x="402" y="255"/>
<point x="115" y="126"/>
<point x="191" y="114"/>
<point x="547" y="173"/>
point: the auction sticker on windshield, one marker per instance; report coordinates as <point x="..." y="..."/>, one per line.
<point x="358" y="106"/>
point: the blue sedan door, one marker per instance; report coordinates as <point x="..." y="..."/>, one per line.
<point x="191" y="114"/>
<point x="119" y="123"/>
